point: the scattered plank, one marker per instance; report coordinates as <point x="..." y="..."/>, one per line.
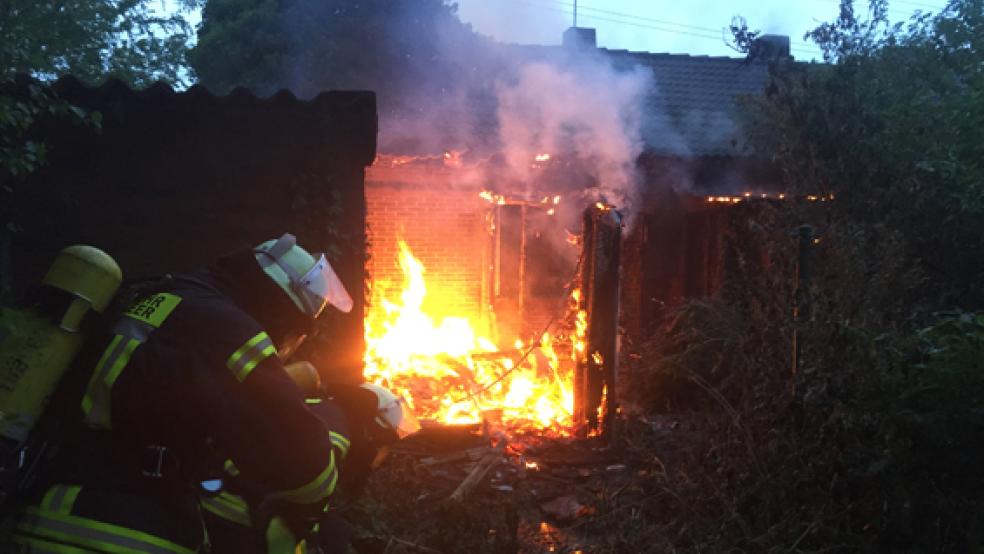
<point x="487" y="462"/>
<point x="470" y="454"/>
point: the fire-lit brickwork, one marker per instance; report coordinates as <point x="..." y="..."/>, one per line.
<point x="443" y="224"/>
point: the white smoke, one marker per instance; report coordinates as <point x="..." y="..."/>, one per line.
<point x="585" y="110"/>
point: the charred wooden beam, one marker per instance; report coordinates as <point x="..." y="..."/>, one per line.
<point x="492" y="458"/>
<point x="594" y="378"/>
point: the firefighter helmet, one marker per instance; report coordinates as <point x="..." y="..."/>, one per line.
<point x="308" y="280"/>
<point x="392" y="412"/>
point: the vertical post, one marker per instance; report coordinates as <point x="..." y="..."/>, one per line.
<point x="6" y="266"/>
<point x="596" y="372"/>
<point x="497" y="253"/>
<point x="575" y="13"/>
<point x="603" y="318"/>
<point x="488" y="271"/>
<point x="581" y="367"/>
<point x="804" y="236"/>
<point x="521" y="305"/>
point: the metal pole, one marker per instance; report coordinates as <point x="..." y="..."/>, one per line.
<point x="575" y="13"/>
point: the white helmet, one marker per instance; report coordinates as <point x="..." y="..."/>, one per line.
<point x="392" y="412"/>
<point x="309" y="281"/>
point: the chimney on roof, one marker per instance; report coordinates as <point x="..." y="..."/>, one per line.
<point x="770" y="48"/>
<point x="580" y="37"/>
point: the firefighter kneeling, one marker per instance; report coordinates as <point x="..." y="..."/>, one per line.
<point x="362" y="421"/>
<point x="188" y="386"/>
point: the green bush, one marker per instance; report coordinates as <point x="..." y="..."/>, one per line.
<point x="874" y="441"/>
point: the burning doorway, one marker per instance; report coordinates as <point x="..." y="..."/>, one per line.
<point x="484" y="306"/>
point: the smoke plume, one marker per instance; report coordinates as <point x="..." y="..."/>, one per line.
<point x="581" y="109"/>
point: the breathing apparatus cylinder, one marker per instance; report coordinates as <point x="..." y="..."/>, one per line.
<point x="39" y="342"/>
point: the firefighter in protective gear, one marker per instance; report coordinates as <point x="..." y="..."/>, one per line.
<point x="365" y="411"/>
<point x="380" y="418"/>
<point x="189" y="377"/>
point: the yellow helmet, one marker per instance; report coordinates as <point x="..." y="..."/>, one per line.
<point x="85" y="272"/>
<point x="307" y="279"/>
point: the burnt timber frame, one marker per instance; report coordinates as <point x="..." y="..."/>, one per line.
<point x="596" y="369"/>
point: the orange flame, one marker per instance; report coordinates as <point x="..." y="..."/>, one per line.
<point x="451" y="374"/>
<point x="492" y="197"/>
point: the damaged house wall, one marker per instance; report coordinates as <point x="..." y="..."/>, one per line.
<point x="173" y="180"/>
<point x="443" y="224"/>
<point x="652" y="133"/>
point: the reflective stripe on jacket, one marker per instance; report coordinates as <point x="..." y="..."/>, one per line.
<point x="230" y="528"/>
<point x="227" y="515"/>
<point x="57" y="524"/>
<point x="132" y="330"/>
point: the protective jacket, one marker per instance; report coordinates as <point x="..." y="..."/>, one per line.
<point x="238" y="520"/>
<point x="187" y="378"/>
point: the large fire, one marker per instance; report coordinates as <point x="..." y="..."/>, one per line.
<point x="453" y="375"/>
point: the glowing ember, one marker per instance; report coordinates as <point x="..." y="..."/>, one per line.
<point x="764" y="195"/>
<point x="452" y="158"/>
<point x="542" y="157"/>
<point x="725" y="199"/>
<point x="451" y="374"/>
<point x="492" y="197"/>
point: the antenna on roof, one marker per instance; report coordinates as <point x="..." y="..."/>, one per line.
<point x="575" y="13"/>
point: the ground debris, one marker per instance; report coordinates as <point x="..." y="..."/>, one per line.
<point x="566" y="508"/>
<point x="536" y="494"/>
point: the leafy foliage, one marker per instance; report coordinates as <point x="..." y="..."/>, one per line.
<point x="240" y="43"/>
<point x="873" y="442"/>
<point x="19" y="155"/>
<point x="309" y="46"/>
<point x="895" y="129"/>
<point x="92" y="40"/>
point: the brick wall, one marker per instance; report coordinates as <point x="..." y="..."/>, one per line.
<point x="443" y="223"/>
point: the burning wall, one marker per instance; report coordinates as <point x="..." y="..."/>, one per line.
<point x="589" y="110"/>
<point x="450" y="271"/>
<point x="441" y="221"/>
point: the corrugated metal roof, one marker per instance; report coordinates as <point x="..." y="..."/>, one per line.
<point x="334" y="116"/>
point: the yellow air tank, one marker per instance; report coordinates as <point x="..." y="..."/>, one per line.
<point x="37" y="346"/>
